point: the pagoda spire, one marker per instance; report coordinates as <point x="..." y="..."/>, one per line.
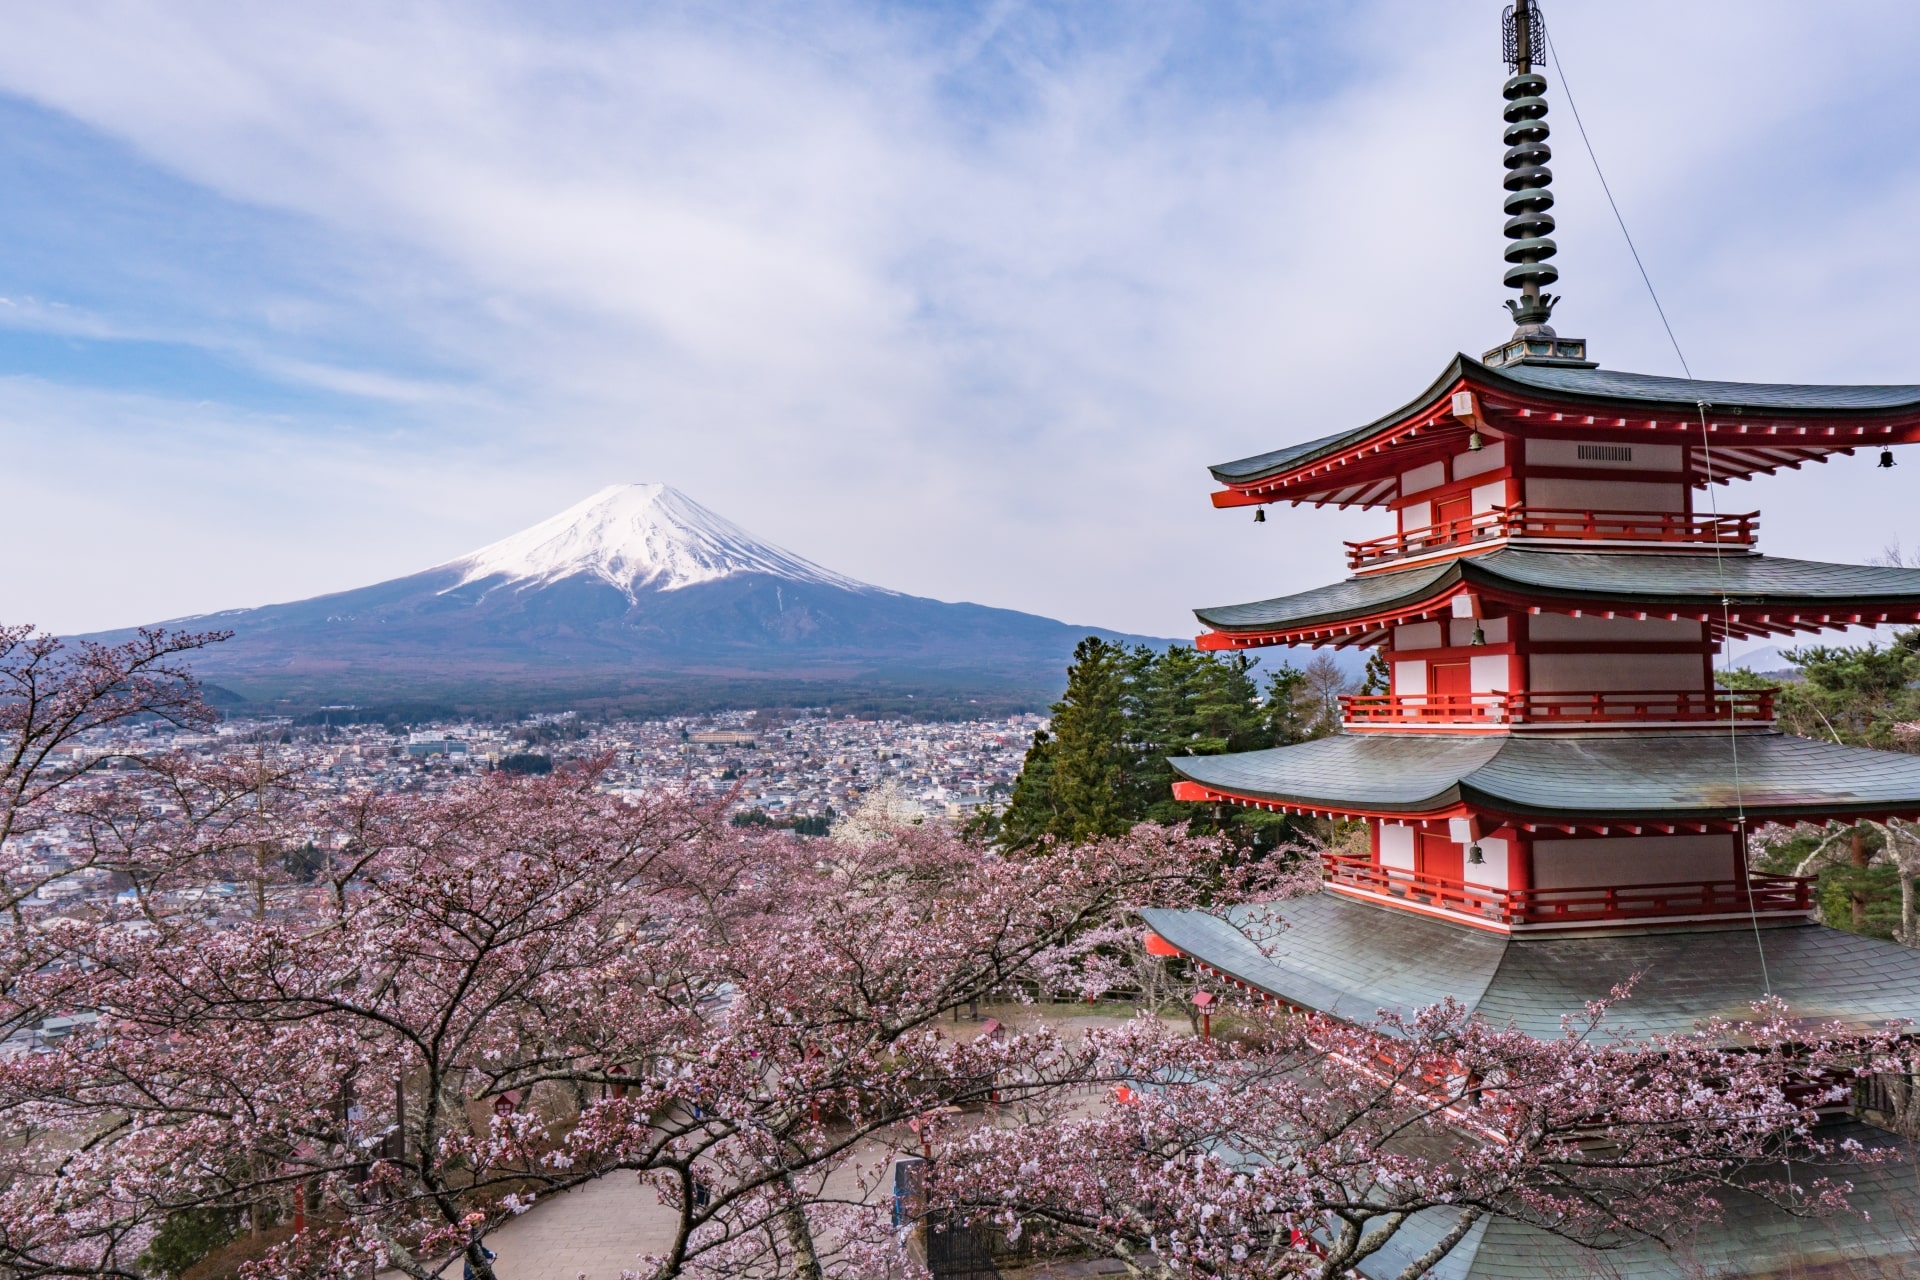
<point x="1529" y="184"/>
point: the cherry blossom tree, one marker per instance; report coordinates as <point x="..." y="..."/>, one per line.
<point x="520" y="985"/>
<point x="525" y="984"/>
<point x="156" y="821"/>
<point x="52" y="693"/>
<point x="1304" y="1149"/>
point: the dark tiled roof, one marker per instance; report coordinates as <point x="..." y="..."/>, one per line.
<point x="1281" y="459"/>
<point x="1651" y="776"/>
<point x="1878" y="1240"/>
<point x="1755" y="578"/>
<point x="1621" y="389"/>
<point x="1647" y="388"/>
<point x="1322" y="953"/>
<point x="1411" y="772"/>
<point x="1695" y="581"/>
<point x="1351" y="960"/>
<point x="1356" y="597"/>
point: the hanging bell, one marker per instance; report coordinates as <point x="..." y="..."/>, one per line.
<point x="1474" y="443"/>
<point x="1886" y="457"/>
<point x="1475" y="858"/>
<point x="1479" y="636"/>
<point x="1260" y="513"/>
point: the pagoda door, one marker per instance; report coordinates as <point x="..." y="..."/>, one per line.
<point x="1452" y="515"/>
<point x="1451" y="684"/>
<point x="1438" y="856"/>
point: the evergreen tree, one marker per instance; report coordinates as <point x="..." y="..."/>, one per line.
<point x="1095" y="779"/>
<point x="1857" y="695"/>
<point x="1854" y="694"/>
<point x="1104" y="765"/>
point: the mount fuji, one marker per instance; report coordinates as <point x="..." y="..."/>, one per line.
<point x="642" y="599"/>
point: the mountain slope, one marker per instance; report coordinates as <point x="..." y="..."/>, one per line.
<point x="640" y="596"/>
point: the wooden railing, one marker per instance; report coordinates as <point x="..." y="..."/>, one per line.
<point x="1404" y="710"/>
<point x="1760" y="893"/>
<point x="1574" y="526"/>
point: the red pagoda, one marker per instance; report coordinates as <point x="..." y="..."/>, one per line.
<point x="1558" y="794"/>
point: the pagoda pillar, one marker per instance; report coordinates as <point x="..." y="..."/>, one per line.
<point x="1519" y="860"/>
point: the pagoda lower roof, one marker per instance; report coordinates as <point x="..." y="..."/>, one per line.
<point x="1751" y="1236"/>
<point x="1654" y="779"/>
<point x="1353" y="960"/>
<point x="1695" y="585"/>
<point x="1754" y="426"/>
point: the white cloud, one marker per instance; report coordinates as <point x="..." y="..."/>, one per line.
<point x="962" y="310"/>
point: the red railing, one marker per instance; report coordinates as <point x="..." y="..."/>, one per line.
<point x="1389" y="710"/>
<point x="1574" y="526"/>
<point x="1760" y="893"/>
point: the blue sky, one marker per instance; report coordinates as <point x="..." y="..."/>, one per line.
<point x="958" y="299"/>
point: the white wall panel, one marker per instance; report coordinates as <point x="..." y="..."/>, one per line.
<point x="1396" y="846"/>
<point x="1491" y="458"/>
<point x="1561" y="626"/>
<point x="1417" y="635"/>
<point x="1410" y="677"/>
<point x="1423" y="478"/>
<point x="1604" y="495"/>
<point x="1569" y="672"/>
<point x="1488" y="673"/>
<point x="1575" y="864"/>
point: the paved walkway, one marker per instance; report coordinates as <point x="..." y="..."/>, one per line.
<point x="596" y="1231"/>
<point x="603" y="1228"/>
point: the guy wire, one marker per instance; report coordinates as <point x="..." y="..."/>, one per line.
<point x="1611" y="203"/>
<point x="1719" y="561"/>
<point x="1733" y="728"/>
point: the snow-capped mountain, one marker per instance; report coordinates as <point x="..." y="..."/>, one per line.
<point x="636" y="597"/>
<point x="638" y="537"/>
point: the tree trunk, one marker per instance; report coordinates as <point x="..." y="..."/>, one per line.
<point x="806" y="1259"/>
<point x="1906" y="907"/>
<point x="1858" y="849"/>
<point x="1908" y="936"/>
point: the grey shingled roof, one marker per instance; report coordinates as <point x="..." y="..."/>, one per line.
<point x="1321" y="953"/>
<point x="1655" y="777"/>
<point x="1587" y="385"/>
<point x="1647" y="388"/>
<point x="1351" y="960"/>
<point x="1656" y="581"/>
<point x="1751" y="1238"/>
<point x="1277" y="460"/>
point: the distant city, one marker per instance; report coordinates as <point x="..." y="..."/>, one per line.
<point x="792" y="769"/>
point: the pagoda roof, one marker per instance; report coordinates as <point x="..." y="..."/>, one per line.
<point x="1768" y="594"/>
<point x="1352" y="960"/>
<point x="1754" y="426"/>
<point x="1749" y="1236"/>
<point x="1669" y="779"/>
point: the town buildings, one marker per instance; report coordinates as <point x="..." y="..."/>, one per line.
<point x="788" y="767"/>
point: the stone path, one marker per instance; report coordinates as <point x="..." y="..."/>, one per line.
<point x="601" y="1229"/>
<point x="598" y="1231"/>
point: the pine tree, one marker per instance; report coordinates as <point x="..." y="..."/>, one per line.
<point x="1095" y="757"/>
<point x="1105" y="764"/>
